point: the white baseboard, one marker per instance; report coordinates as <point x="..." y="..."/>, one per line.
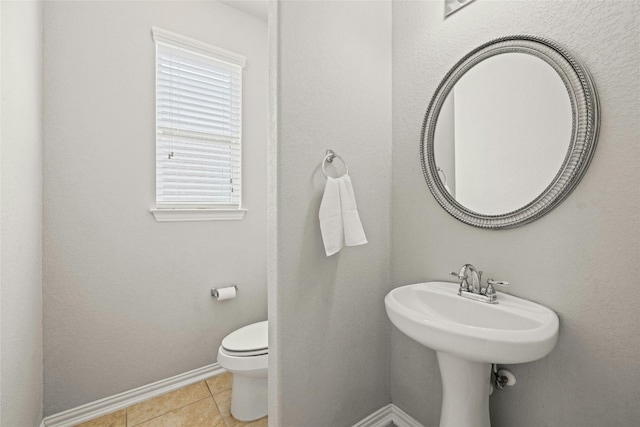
<point x="119" y="401"/>
<point x="386" y="415"/>
<point x="402" y="419"/>
<point x="380" y="418"/>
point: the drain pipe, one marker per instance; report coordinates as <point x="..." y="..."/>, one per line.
<point x="501" y="378"/>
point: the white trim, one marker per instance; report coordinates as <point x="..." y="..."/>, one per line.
<point x="386" y="415"/>
<point x="381" y="418"/>
<point x="163" y="36"/>
<point x="119" y="401"/>
<point x="180" y="214"/>
<point x="1" y="228"/>
<point x="402" y="419"/>
<point x="274" y="384"/>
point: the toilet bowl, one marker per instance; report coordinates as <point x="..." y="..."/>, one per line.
<point x="245" y="353"/>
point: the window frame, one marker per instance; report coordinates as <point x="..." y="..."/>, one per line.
<point x="204" y="212"/>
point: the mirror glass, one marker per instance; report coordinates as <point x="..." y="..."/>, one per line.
<point x="509" y="132"/>
<point x="503" y="133"/>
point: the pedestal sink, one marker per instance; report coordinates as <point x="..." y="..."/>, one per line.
<point x="468" y="337"/>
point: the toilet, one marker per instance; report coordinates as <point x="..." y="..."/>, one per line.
<point x="245" y="353"/>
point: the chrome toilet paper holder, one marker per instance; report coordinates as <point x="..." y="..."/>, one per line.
<point x="214" y="291"/>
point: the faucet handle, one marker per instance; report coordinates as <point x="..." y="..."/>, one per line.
<point x="497" y="282"/>
<point x="490" y="291"/>
<point x="460" y="276"/>
<point x="464" y="286"/>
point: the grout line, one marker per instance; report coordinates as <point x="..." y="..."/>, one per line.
<point x="173" y="410"/>
<point x="215" y="402"/>
<point x="208" y="388"/>
<point x="224" y="418"/>
<point x="211" y="396"/>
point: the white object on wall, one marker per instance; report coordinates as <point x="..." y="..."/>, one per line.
<point x="222" y="294"/>
<point x="451" y="6"/>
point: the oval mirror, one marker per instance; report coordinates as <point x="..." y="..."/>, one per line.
<point x="509" y="132"/>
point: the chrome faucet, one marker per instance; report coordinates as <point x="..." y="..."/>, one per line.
<point x="475" y="291"/>
<point x="476" y="277"/>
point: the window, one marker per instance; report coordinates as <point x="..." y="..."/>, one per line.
<point x="198" y="130"/>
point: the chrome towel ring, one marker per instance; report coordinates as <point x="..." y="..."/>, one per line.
<point x="329" y="159"/>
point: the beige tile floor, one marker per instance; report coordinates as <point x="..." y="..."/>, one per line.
<point x="204" y="404"/>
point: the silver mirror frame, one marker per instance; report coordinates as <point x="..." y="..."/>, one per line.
<point x="584" y="135"/>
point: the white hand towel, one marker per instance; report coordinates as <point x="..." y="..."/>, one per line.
<point x="331" y="218"/>
<point x="353" y="232"/>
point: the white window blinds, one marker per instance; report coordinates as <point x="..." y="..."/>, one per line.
<point x="198" y="124"/>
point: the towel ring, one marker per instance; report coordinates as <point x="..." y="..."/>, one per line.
<point x="329" y="159"/>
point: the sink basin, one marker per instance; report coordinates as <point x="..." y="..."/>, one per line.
<point x="513" y="331"/>
<point x="468" y="337"/>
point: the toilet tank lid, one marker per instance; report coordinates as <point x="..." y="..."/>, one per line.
<point x="248" y="338"/>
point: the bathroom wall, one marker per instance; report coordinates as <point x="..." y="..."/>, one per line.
<point x="21" y="213"/>
<point x="127" y="299"/>
<point x="576" y="260"/>
<point x="331" y="334"/>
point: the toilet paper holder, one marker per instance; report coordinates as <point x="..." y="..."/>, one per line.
<point x="214" y="291"/>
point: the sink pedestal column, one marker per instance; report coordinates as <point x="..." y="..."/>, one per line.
<point x="465" y="392"/>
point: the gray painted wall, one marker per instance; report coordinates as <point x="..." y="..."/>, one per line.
<point x="576" y="260"/>
<point x="332" y="334"/>
<point x="21" y="210"/>
<point x="127" y="299"/>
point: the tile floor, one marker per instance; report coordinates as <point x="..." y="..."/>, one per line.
<point x="204" y="404"/>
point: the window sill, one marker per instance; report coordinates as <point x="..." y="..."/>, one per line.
<point x="204" y="214"/>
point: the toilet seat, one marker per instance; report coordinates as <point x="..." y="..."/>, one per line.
<point x="246" y="349"/>
<point x="241" y="364"/>
<point x="245" y="353"/>
<point x="248" y="341"/>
